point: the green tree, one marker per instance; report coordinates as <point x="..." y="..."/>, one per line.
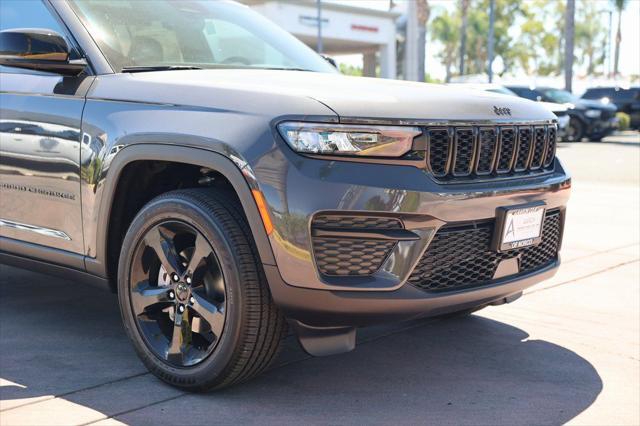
<point x="350" y="70"/>
<point x="590" y="37"/>
<point x="444" y="28"/>
<point x="506" y="12"/>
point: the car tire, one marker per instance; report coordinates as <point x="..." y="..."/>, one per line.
<point x="230" y="329"/>
<point x="575" y="130"/>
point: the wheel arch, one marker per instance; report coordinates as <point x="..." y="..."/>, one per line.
<point x="214" y="161"/>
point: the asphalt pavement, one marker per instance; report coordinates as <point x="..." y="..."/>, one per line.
<point x="566" y="352"/>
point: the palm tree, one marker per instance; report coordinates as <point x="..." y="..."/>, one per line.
<point x="464" y="12"/>
<point x="569" y="32"/>
<point x="620" y="6"/>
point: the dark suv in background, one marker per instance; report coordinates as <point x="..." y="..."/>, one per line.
<point x="627" y="100"/>
<point x="228" y="182"/>
<point x="589" y="119"/>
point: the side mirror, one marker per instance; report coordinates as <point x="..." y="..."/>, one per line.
<point x="539" y="98"/>
<point x="38" y="49"/>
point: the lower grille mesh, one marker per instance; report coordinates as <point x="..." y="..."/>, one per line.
<point x="350" y="256"/>
<point x="460" y="257"/>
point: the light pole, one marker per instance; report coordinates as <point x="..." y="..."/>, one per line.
<point x="610" y="13"/>
<point x="492" y="19"/>
<point x="319" y="48"/>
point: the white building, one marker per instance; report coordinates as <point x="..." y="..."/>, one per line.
<point x="345" y="30"/>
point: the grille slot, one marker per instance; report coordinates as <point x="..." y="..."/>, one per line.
<point x="507" y="149"/>
<point x="501" y="150"/>
<point x="487" y="143"/>
<point x="439" y="148"/>
<point x="464" y="151"/>
<point x="461" y="257"/>
<point x="539" y="144"/>
<point x="550" y="154"/>
<point x="524" y="149"/>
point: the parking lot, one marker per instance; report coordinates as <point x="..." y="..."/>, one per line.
<point x="568" y="351"/>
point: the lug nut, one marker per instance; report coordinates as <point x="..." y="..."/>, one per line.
<point x="192" y="300"/>
<point x="188" y="280"/>
<point x="171" y="295"/>
<point x="181" y="309"/>
<point x="175" y="277"/>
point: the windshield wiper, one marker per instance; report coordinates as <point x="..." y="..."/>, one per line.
<point x="147" y="68"/>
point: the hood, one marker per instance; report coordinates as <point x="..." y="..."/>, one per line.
<point x="348" y="97"/>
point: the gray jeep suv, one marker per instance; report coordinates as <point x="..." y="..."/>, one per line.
<point x="228" y="183"/>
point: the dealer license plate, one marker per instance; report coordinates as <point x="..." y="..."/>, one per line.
<point x="520" y="226"/>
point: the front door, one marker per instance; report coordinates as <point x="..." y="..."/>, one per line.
<point x="40" y="143"/>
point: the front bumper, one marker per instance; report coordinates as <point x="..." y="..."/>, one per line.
<point x="297" y="188"/>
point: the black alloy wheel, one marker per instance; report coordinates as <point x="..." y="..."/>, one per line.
<point x="178" y="293"/>
<point x="193" y="296"/>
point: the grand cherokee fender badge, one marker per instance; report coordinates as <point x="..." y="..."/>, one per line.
<point x="501" y="111"/>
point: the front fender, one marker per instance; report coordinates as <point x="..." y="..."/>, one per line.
<point x="181" y="154"/>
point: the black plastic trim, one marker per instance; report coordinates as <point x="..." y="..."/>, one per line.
<point x="180" y="154"/>
<point x="365" y="234"/>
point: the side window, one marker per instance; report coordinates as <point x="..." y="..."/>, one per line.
<point x="593" y="94"/>
<point x="528" y="94"/>
<point x="28" y="14"/>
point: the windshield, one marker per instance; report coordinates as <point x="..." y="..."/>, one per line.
<point x="198" y="33"/>
<point x="559" y="96"/>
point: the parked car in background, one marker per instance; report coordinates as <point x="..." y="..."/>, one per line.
<point x="560" y="110"/>
<point x="626" y="100"/>
<point x="588" y="118"/>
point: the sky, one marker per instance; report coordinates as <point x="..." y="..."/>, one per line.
<point x="629" y="49"/>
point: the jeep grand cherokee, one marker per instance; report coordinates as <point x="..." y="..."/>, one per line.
<point x="227" y="182"/>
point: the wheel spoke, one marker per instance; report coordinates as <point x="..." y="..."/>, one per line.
<point x="158" y="240"/>
<point x="143" y="296"/>
<point x="180" y="338"/>
<point x="201" y="250"/>
<point x="210" y="313"/>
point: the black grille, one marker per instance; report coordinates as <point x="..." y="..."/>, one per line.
<point x="359" y="222"/>
<point x="461" y="256"/>
<point x="350" y="256"/>
<point x="473" y="151"/>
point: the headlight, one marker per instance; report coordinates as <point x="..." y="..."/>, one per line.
<point x="340" y="139"/>
<point x="593" y="113"/>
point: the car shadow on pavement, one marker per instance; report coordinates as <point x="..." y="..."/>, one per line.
<point x="61" y="338"/>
